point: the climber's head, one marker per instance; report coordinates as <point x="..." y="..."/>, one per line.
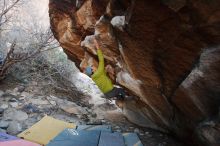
<point x="89" y="71"/>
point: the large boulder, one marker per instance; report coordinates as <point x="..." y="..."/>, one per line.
<point x="165" y="52"/>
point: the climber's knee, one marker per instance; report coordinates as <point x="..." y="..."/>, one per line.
<point x="116" y="93"/>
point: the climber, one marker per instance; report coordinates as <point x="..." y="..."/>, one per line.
<point x="101" y="79"/>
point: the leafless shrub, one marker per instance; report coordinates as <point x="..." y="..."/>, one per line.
<point x="33" y="55"/>
<point x="6" y="6"/>
<point x="45" y="42"/>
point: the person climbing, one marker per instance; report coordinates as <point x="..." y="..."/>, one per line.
<point x="101" y="79"/>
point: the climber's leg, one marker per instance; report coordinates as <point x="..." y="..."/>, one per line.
<point x="117" y="93"/>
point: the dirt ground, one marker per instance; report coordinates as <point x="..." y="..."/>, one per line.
<point x="106" y="113"/>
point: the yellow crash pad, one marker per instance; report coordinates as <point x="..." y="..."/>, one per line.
<point x="45" y="130"/>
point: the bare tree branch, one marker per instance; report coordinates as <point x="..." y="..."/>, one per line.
<point x="5" y="9"/>
<point x="42" y="40"/>
<point x="45" y="42"/>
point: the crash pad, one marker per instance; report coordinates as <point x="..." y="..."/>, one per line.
<point x="106" y="128"/>
<point x="8" y="140"/>
<point x="71" y="137"/>
<point x="45" y="130"/>
<point x="132" y="139"/>
<point x="111" y="139"/>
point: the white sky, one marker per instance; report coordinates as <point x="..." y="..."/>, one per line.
<point x="33" y="12"/>
<point x="42" y="8"/>
<point x="39" y="9"/>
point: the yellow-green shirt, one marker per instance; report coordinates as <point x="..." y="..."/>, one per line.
<point x="99" y="77"/>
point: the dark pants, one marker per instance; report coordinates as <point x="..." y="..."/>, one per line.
<point x="119" y="93"/>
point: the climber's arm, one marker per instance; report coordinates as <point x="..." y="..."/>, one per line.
<point x="101" y="67"/>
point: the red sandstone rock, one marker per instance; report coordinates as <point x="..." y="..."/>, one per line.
<point x="166" y="54"/>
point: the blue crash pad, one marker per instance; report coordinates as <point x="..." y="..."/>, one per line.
<point x="71" y="137"/>
<point x="106" y="128"/>
<point x="111" y="139"/>
<point x="131" y="139"/>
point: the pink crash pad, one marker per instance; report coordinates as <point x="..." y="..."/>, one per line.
<point x="8" y="140"/>
<point x="18" y="143"/>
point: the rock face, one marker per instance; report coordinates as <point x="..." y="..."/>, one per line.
<point x="165" y="52"/>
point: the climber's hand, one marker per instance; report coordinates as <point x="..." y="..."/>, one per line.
<point x="96" y="44"/>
